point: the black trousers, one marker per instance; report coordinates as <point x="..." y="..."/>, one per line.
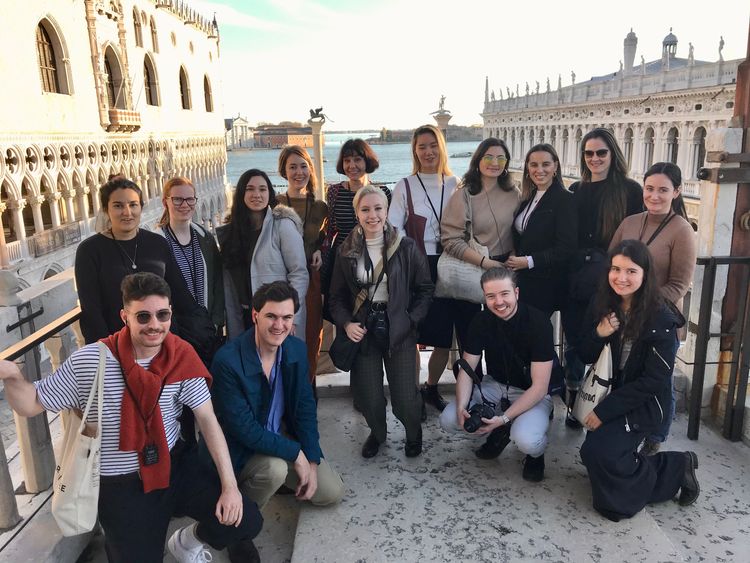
<point x="135" y="523"/>
<point x="367" y="386"/>
<point x="622" y="480"/>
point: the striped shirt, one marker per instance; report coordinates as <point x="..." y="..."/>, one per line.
<point x="190" y="260"/>
<point x="341" y="215"/>
<point x="69" y="388"/>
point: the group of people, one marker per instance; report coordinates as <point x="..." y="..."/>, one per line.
<point x="615" y="260"/>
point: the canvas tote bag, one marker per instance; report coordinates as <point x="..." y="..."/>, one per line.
<point x="595" y="385"/>
<point x="75" y="495"/>
<point x="457" y="279"/>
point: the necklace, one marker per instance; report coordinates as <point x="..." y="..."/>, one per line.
<point x="132" y="260"/>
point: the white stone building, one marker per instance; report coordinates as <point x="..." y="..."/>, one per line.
<point x="239" y="133"/>
<point x="659" y="111"/>
<point x="94" y="88"/>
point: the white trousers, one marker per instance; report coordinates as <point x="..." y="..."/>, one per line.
<point x="529" y="430"/>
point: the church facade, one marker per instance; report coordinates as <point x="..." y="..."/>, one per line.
<point x="102" y="87"/>
<point x="659" y="111"/>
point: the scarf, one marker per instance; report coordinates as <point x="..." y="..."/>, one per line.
<point x="175" y="362"/>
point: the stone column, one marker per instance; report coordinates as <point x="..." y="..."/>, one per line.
<point x="639" y="149"/>
<point x="4" y="257"/>
<point x="715" y="222"/>
<point x="683" y="150"/>
<point x="18" y="224"/>
<point x="54" y="210"/>
<point x="317" y="127"/>
<point x="68" y="195"/>
<point x="83" y="203"/>
<point x="36" y="211"/>
<point x="660" y="143"/>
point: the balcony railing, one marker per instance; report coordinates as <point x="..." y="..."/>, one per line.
<point x="123" y="120"/>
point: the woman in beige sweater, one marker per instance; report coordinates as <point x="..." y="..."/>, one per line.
<point x="664" y="229"/>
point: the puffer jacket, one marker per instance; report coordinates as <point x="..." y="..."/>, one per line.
<point x="410" y="287"/>
<point x="641" y="391"/>
<point x="279" y="255"/>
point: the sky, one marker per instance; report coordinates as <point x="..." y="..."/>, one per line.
<point x="385" y="63"/>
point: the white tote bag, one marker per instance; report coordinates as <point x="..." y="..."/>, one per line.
<point x="595" y="385"/>
<point x="75" y="496"/>
<point x="457" y="279"/>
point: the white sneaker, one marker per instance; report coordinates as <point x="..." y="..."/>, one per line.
<point x="184" y="555"/>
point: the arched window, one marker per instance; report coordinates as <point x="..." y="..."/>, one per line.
<point x="207" y="94"/>
<point x="184" y="89"/>
<point x="115" y="93"/>
<point x="627" y="146"/>
<point x="672" y="145"/>
<point x="137" y="29"/>
<point x="648" y="148"/>
<point x="699" y="150"/>
<point x="47" y="60"/>
<point x="154" y="38"/>
<point x="150" y="83"/>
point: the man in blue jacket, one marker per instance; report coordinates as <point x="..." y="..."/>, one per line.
<point x="266" y="407"/>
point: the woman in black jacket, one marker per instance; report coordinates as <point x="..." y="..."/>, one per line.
<point x="544" y="231"/>
<point x="639" y="326"/>
<point x="381" y="308"/>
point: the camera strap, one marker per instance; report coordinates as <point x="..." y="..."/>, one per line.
<point x="461" y="364"/>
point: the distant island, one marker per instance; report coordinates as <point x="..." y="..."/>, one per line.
<point x="454" y="133"/>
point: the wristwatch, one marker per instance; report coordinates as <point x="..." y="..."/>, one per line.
<point x="505" y="419"/>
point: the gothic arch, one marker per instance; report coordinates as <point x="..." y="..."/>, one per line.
<point x="115" y="79"/>
<point x="57" y="69"/>
<point x="151" y="81"/>
<point x="185" y="89"/>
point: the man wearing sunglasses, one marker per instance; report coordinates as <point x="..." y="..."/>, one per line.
<point x="147" y="472"/>
<point x="266" y="407"/>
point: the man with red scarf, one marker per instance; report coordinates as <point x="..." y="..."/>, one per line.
<point x="147" y="472"/>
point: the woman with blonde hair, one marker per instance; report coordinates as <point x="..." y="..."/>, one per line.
<point x="417" y="210"/>
<point x="380" y="291"/>
<point x="296" y="167"/>
<point x="194" y="249"/>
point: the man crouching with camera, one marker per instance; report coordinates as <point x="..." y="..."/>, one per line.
<point x="513" y="402"/>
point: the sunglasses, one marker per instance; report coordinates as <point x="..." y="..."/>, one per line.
<point x="601" y="153"/>
<point x="489" y="159"/>
<point x="177" y="201"/>
<point x="144" y="317"/>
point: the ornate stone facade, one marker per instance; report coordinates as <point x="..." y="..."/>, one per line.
<point x="100" y="88"/>
<point x="658" y="111"/>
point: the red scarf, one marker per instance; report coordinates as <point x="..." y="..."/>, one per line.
<point x="175" y="362"/>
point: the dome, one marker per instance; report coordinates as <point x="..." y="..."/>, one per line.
<point x="670" y="39"/>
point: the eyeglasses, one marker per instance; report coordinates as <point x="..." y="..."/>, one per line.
<point x="489" y="159"/>
<point x="144" y="317"/>
<point x="178" y="201"/>
<point x="601" y="153"/>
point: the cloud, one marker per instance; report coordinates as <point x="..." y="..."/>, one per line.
<point x="227" y="16"/>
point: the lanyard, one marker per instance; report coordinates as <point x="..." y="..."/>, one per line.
<point x="661" y="226"/>
<point x="192" y="264"/>
<point x="429" y="200"/>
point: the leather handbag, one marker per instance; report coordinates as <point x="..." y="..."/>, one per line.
<point x="415" y="224"/>
<point x="456" y="278"/>
<point x="75" y="494"/>
<point x="595" y="386"/>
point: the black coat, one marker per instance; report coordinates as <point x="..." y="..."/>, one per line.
<point x="550" y="238"/>
<point x="641" y="391"/>
<point x="410" y="287"/>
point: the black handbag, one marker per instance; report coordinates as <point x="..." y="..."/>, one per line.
<point x="343" y="349"/>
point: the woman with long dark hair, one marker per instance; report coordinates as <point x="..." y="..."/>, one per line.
<point x="417" y="210"/>
<point x="603" y="198"/>
<point x="544" y="231"/>
<point x="297" y="168"/>
<point x="193" y="248"/>
<point x="380" y="291"/>
<point x="630" y="315"/>
<point x="670" y="239"/>
<point x="261" y="243"/>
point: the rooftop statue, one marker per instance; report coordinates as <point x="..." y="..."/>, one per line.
<point x="721" y="47"/>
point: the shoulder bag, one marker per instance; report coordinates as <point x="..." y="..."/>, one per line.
<point x="75" y="494"/>
<point x="343" y="349"/>
<point x="415" y="224"/>
<point x="595" y="386"/>
<point x="456" y="278"/>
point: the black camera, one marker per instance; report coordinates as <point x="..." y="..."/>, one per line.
<point x="377" y="328"/>
<point x="477" y="412"/>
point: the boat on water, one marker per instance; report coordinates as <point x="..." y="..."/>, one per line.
<point x="466" y="154"/>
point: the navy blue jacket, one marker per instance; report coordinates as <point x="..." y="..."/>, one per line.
<point x="242" y="399"/>
<point x="641" y="391"/>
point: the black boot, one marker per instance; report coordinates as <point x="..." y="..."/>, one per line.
<point x="431" y="396"/>
<point x="496" y="442"/>
<point x="414" y="447"/>
<point x="243" y="552"/>
<point x="533" y="468"/>
<point x="571" y="421"/>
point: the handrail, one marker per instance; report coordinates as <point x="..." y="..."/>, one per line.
<point x="39" y="336"/>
